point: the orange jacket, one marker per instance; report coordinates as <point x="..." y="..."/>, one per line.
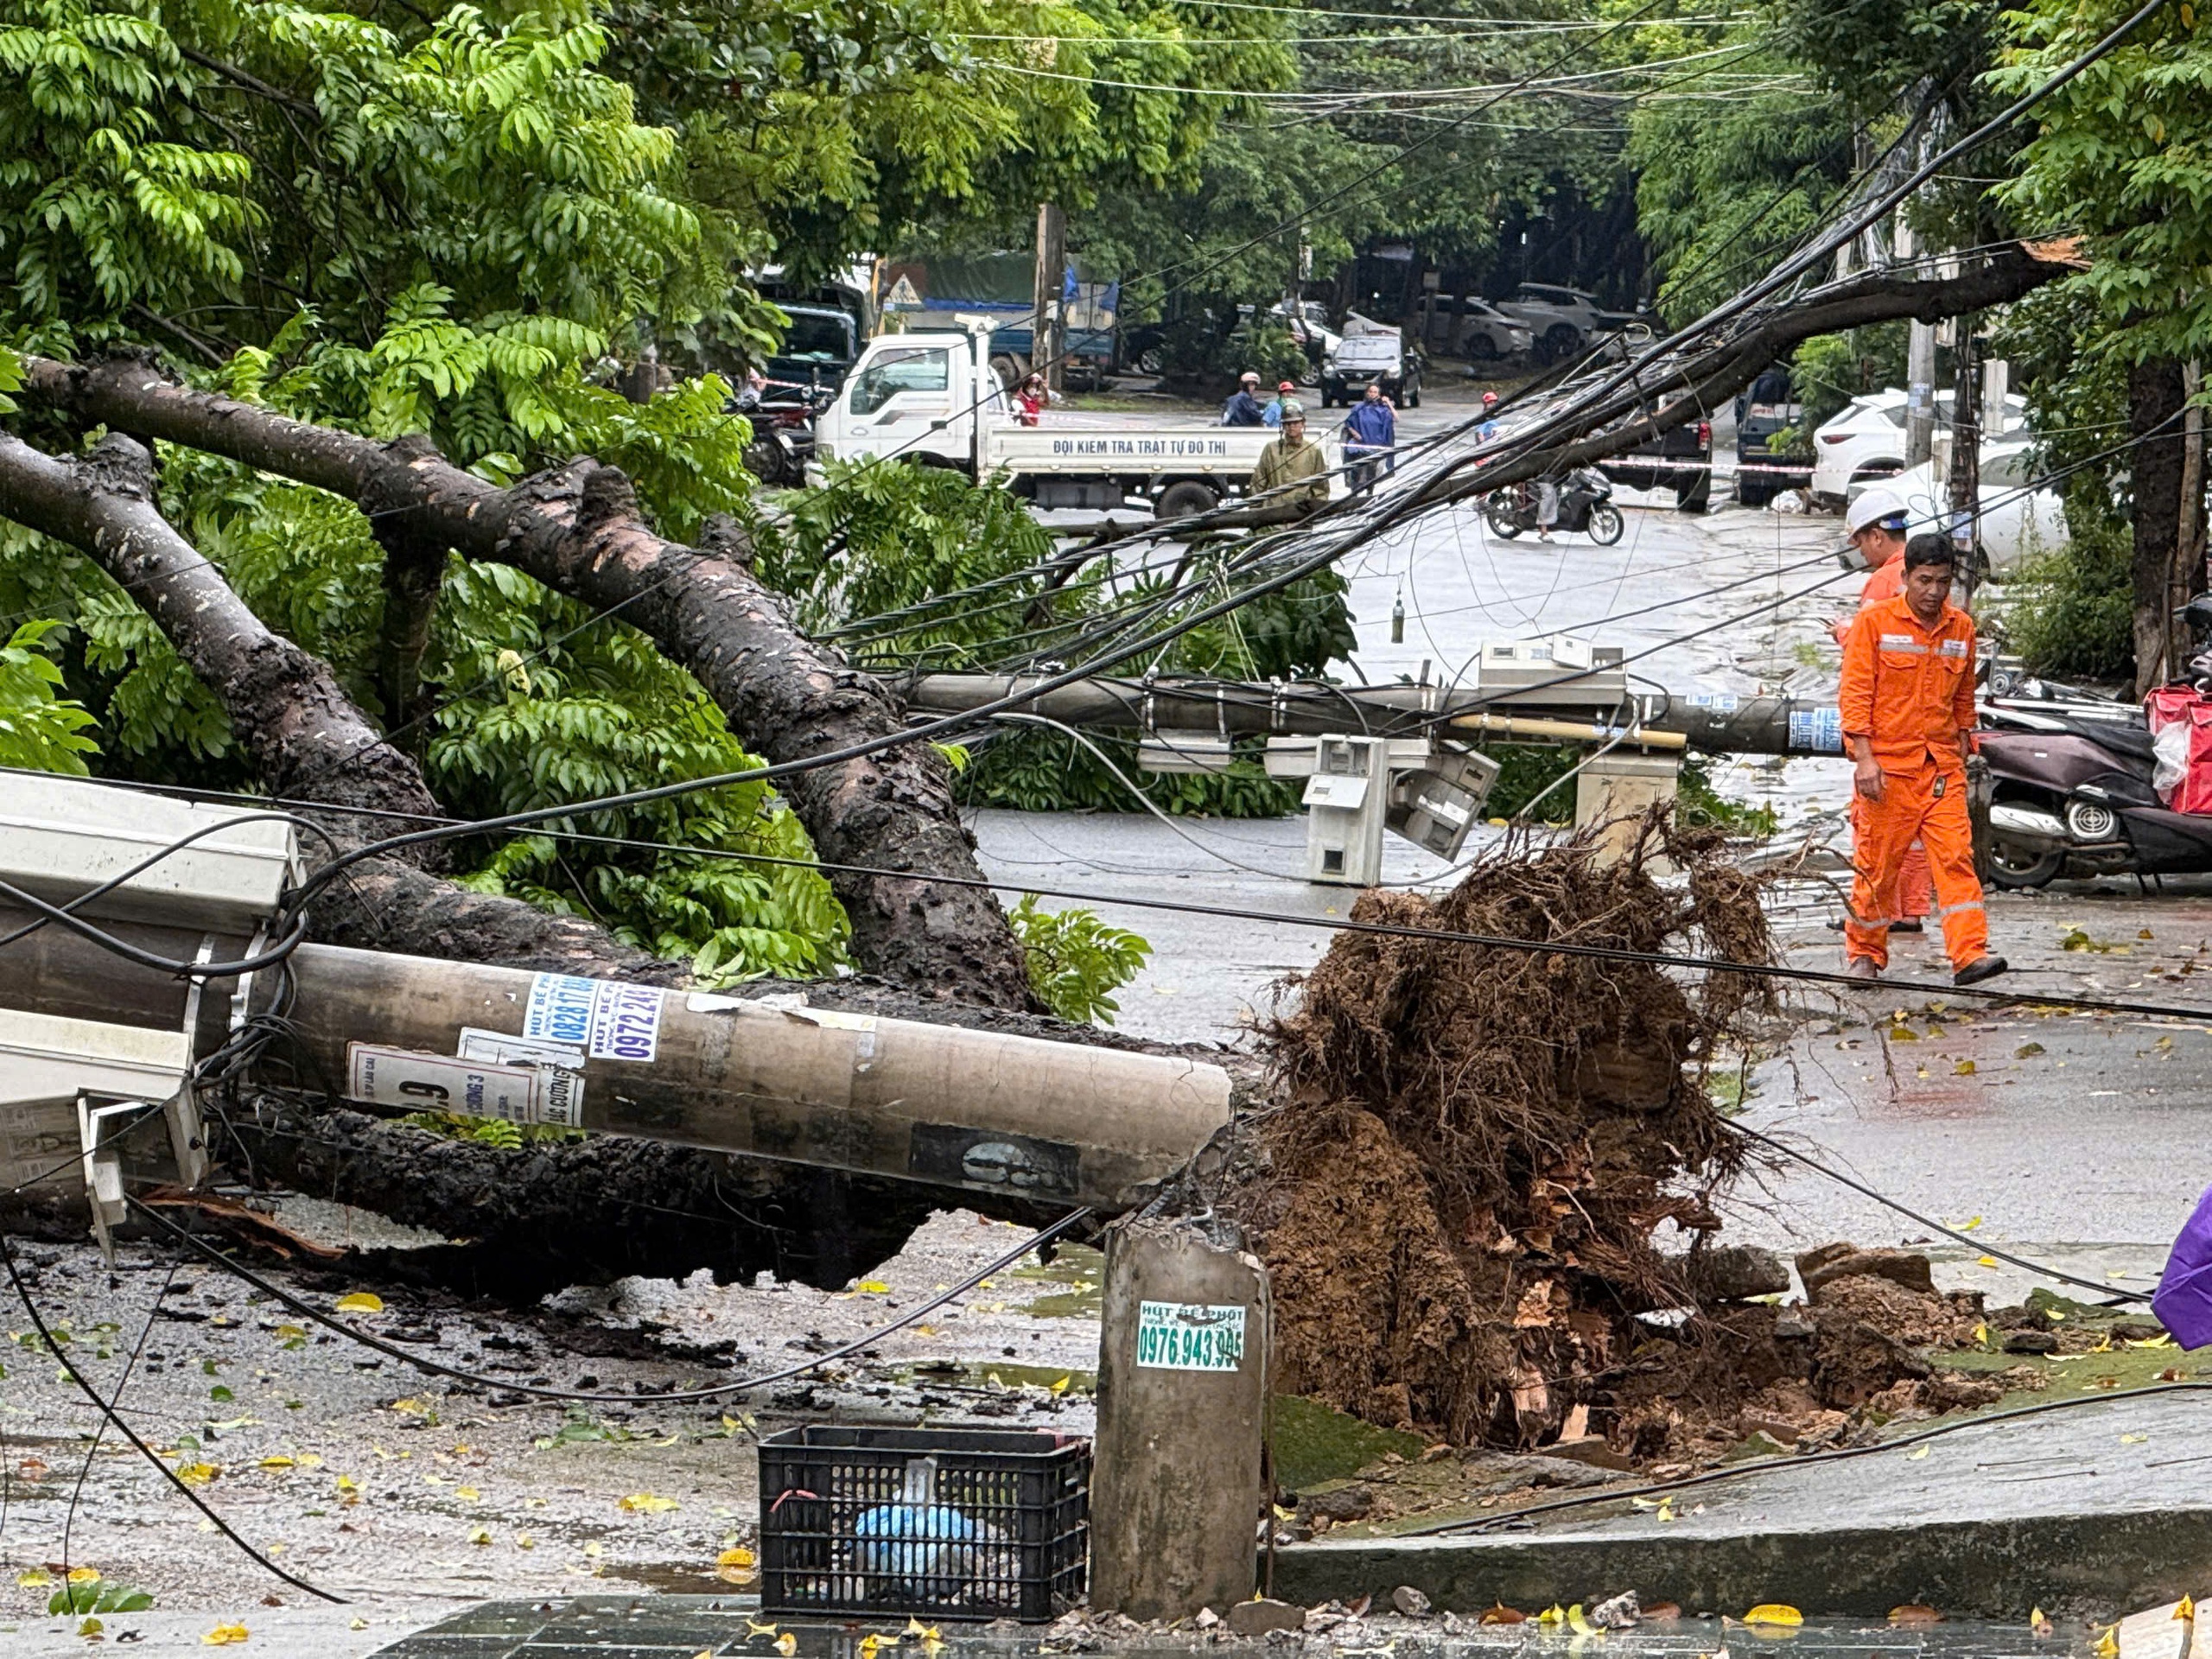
<point x="1908" y="689"/>
<point x="1887" y="581"/>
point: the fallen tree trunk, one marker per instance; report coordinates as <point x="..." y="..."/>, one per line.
<point x="302" y="731"/>
<point x="577" y="531"/>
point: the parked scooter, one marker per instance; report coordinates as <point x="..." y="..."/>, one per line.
<point x="783" y="432"/>
<point x="2071" y="791"/>
<point x="1585" y="507"/>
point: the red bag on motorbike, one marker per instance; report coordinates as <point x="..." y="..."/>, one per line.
<point x="2184" y="774"/>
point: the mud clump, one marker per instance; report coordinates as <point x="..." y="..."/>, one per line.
<point x="1477" y="1143"/>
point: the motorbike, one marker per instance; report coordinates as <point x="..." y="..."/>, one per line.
<point x="1585" y="507"/>
<point x="783" y="431"/>
<point x="2070" y="787"/>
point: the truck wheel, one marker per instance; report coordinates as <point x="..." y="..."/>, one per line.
<point x="1185" y="500"/>
<point x="1007" y="370"/>
<point x="1696" y="496"/>
<point x="1149" y="361"/>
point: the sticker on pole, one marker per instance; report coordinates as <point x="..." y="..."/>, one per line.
<point x="438" y="1083"/>
<point x="1190" y="1335"/>
<point x="607" y="1019"/>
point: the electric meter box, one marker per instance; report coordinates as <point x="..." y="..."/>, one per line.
<point x="1347" y="800"/>
<point x="1533" y="672"/>
<point x="60" y="837"/>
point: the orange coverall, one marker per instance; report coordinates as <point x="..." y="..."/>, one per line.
<point x="1908" y="690"/>
<point x="1911" y="901"/>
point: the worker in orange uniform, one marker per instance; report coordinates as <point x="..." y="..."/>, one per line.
<point x="1908" y="717"/>
<point x="1874" y="524"/>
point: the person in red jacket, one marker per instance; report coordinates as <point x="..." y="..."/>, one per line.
<point x="1908" y="718"/>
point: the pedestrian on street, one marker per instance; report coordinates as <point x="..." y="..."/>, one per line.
<point x="1908" y="719"/>
<point x="1273" y="413"/>
<point x="1370" y="437"/>
<point x="1488" y="429"/>
<point x="1547" y="507"/>
<point x="1031" y="401"/>
<point x="1292" y="478"/>
<point x="1243" y="408"/>
<point x="1875" y="524"/>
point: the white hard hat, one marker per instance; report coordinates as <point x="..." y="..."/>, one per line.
<point x="1878" y="505"/>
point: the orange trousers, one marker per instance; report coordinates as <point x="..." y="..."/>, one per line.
<point x="1927" y="804"/>
<point x="1915" y="898"/>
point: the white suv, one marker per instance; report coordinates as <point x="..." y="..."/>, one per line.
<point x="1866" y="441"/>
<point x="1560" y="319"/>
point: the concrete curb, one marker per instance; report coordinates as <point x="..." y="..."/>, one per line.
<point x="1999" y="1569"/>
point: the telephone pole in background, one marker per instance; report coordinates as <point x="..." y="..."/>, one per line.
<point x="1966" y="456"/>
<point x="1051" y="278"/>
<point x="1919" y="364"/>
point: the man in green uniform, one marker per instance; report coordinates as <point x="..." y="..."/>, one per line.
<point x="1292" y="478"/>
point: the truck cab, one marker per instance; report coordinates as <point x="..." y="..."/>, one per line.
<point x="933" y="399"/>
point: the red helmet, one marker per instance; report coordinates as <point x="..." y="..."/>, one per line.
<point x="1488" y="398"/>
<point x="1285" y="385"/>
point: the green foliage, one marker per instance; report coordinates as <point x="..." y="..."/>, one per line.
<point x="2118" y="155"/>
<point x="1526" y="771"/>
<point x="1034" y="769"/>
<point x="98" y="1596"/>
<point x="39" y="731"/>
<point x="1196" y="350"/>
<point x="1830" y="370"/>
<point x="1077" y="962"/>
<point x="2073" y="613"/>
<point x="498" y="1132"/>
<point x="1699" y="805"/>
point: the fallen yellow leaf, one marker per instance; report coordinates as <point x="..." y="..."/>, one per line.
<point x="647" y="1503"/>
<point x="787" y="1644"/>
<point x="1060" y="1387"/>
<point x="2138" y="1440"/>
<point x="1774" y="1612"/>
<point x="915" y="1627"/>
<point x="1985" y="1261"/>
<point x="91" y="1629"/>
<point x="1962" y="1069"/>
<point x="875" y="1287"/>
<point x="1553" y="1615"/>
<point x="753" y="1629"/>
<point x="1578" y="1624"/>
<point x="466" y="1494"/>
<point x="2186" y="1608"/>
<point x="524" y="1541"/>
<point x="84" y="1575"/>
<point x="2038" y="1623"/>
<point x="278" y="1462"/>
<point x="197" y="1474"/>
<point x="1918" y="1453"/>
<point x="481" y="1535"/>
<point x="868" y="1644"/>
<point x="2109" y="1644"/>
<point x="37" y="1578"/>
<point x="740" y="1557"/>
<point x="360" y="1301"/>
<point x="224" y="1636"/>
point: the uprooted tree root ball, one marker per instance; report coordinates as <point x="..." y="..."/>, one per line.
<point x="1478" y="1143"/>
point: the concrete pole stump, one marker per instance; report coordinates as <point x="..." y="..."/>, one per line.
<point x="1176" y="1493"/>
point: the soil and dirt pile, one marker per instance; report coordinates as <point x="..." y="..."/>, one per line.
<point x="1461" y="1194"/>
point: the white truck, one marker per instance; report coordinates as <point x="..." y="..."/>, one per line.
<point x="933" y="399"/>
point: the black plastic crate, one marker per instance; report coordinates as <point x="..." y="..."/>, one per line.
<point x="943" y="1522"/>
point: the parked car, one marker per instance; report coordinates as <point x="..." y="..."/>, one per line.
<point x="1484" y="334"/>
<point x="1768" y="408"/>
<point x="2018" y="522"/>
<point x="1865" y="441"/>
<point x="1374" y="354"/>
<point x="1561" y="320"/>
<point x="1681" y="460"/>
<point x="1137" y="349"/>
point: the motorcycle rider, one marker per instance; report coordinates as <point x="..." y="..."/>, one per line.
<point x="1272" y="414"/>
<point x="1243" y="408"/>
<point x="1908" y="711"/>
<point x="1371" y="436"/>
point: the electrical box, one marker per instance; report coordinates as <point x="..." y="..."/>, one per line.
<point x="59" y="837"/>
<point x="1347" y="803"/>
<point x="1184" y="751"/>
<point x="1530" y="671"/>
<point x="49" y="1065"/>
<point x="1294" y="757"/>
<point x="1435" y="807"/>
<point x="1614" y="789"/>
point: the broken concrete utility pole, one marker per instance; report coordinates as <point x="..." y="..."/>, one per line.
<point x="1191" y="713"/>
<point x="1013" y="1117"/>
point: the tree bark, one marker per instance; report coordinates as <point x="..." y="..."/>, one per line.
<point x="2154" y="407"/>
<point x="303" y="736"/>
<point x="578" y="531"/>
<point x="413" y="573"/>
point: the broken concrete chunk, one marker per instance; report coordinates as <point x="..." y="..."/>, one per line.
<point x="1735" y="1273"/>
<point x="1906" y="1268"/>
<point x="1617" y="1613"/>
<point x="1409" y="1601"/>
<point x="2031" y="1341"/>
<point x="1207" y="1619"/>
<point x="1259" y="1618"/>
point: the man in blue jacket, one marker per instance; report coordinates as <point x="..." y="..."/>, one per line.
<point x="1370" y="435"/>
<point x="1243" y="408"/>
